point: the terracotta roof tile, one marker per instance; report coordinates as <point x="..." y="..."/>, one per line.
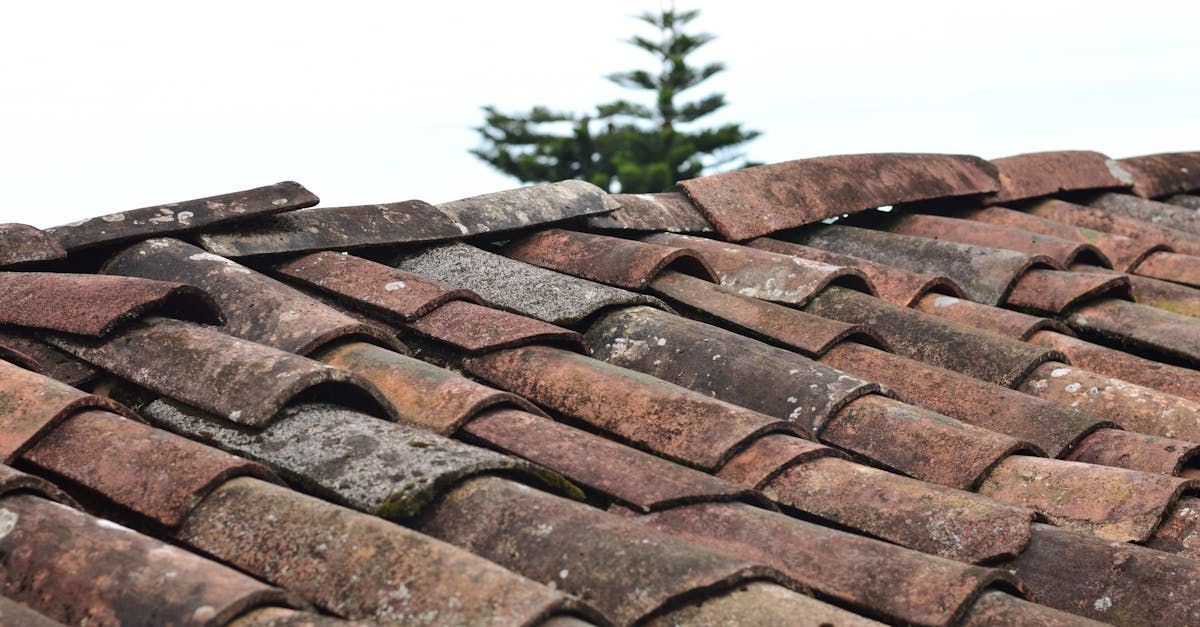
<point x="1124" y="252"/>
<point x="620" y="262"/>
<point x="895" y="285"/>
<point x="95" y="305"/>
<point x="510" y="284"/>
<point x="46" y="359"/>
<point x="182" y="217"/>
<point x="669" y="211"/>
<point x="240" y="381"/>
<point x="256" y="307"/>
<point x="766" y="275"/>
<point x="1191" y="201"/>
<point x="21" y="243"/>
<point x="984" y="274"/>
<point x="1036" y="174"/>
<point x="1064" y="252"/>
<point x="1163" y="174"/>
<point x="936" y="341"/>
<point x="756" y="201"/>
<point x="77" y="568"/>
<point x="409" y="222"/>
<point x="1101" y="220"/>
<point x="725" y="365"/>
<point x="667" y="481"/>
<point x="32" y="404"/>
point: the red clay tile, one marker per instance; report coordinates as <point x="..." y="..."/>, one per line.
<point x="46" y="359"/>
<point x="758" y="603"/>
<point x="631" y="477"/>
<point x="1136" y="451"/>
<point x="725" y="365"/>
<point x="16" y="482"/>
<point x="114" y="456"/>
<point x="895" y="285"/>
<point x="1057" y="291"/>
<point x="774" y="323"/>
<point x="1111" y="503"/>
<point x="1064" y="252"/>
<point x="1005" y="322"/>
<point x="998" y="608"/>
<point x="621" y="262"/>
<point x="1149" y="330"/>
<point x="1180" y="531"/>
<point x="1109" y="581"/>
<point x="256" y="307"/>
<point x="1175" y="380"/>
<point x="1036" y="174"/>
<point x="1124" y="252"/>
<point x="668" y="211"/>
<point x="985" y="274"/>
<point x="95" y="305"/>
<point x="381" y="290"/>
<point x="759" y="200"/>
<point x="420" y="393"/>
<point x="767" y="457"/>
<point x="240" y="381"/>
<point x="32" y="404"/>
<point x="21" y="243"/>
<point x="1100" y="220"/>
<point x="477" y="329"/>
<point x="930" y="518"/>
<point x="1132" y="406"/>
<point x="935" y="341"/>
<point x="1052" y="428"/>
<point x="360" y="566"/>
<point x="641" y="409"/>
<point x="1164" y="173"/>
<point x="1149" y="211"/>
<point x="84" y="570"/>
<point x="182" y="217"/>
<point x="766" y="275"/>
<point x="410" y="221"/>
<point x="1172" y="267"/>
<point x="1173" y="297"/>
<point x="918" y="442"/>
<point x="509" y="284"/>
<point x="902" y="586"/>
<point x="625" y="569"/>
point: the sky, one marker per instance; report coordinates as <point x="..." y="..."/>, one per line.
<point x="116" y="105"/>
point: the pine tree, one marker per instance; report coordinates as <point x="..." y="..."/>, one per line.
<point x="624" y="145"/>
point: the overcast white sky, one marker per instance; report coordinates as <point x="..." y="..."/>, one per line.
<point x="115" y="105"/>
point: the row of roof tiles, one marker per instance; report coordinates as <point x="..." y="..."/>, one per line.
<point x="954" y="412"/>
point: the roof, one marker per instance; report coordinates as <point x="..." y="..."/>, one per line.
<point x="861" y="389"/>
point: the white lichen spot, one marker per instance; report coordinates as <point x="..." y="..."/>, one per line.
<point x="289" y="315"/>
<point x="1103" y="604"/>
<point x="562" y="574"/>
<point x="463" y="228"/>
<point x="204" y="613"/>
<point x="279" y="202"/>
<point x="716" y="357"/>
<point x="185" y="217"/>
<point x="113" y="217"/>
<point x="944" y="301"/>
<point x="1060" y="372"/>
<point x="662" y="341"/>
<point x="393" y="286"/>
<point x="8" y="521"/>
<point x="1072" y="387"/>
<point x="235" y="414"/>
<point x="792" y="399"/>
<point x="159" y="243"/>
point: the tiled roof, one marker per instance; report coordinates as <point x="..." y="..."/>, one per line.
<point x="757" y="401"/>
